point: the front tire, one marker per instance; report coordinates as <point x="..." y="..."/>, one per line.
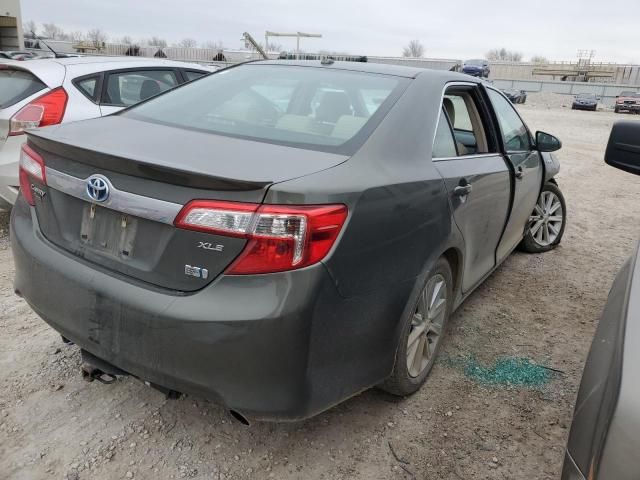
<point x="422" y="332"/>
<point x="547" y="221"/>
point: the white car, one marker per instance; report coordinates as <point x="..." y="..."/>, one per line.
<point x="49" y="91"/>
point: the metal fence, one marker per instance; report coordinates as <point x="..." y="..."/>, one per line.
<point x="619" y="74"/>
<point x="606" y="91"/>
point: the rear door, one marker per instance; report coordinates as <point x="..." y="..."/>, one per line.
<point x="476" y="176"/>
<point x="527" y="170"/>
<point x="124" y="88"/>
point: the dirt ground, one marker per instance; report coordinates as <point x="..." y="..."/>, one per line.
<point x="540" y="307"/>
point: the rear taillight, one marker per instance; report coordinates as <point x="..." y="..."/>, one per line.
<point x="280" y="237"/>
<point x="31" y="168"/>
<point x="45" y="110"/>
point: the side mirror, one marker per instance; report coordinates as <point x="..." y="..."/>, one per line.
<point x="545" y="142"/>
<point x="623" y="149"/>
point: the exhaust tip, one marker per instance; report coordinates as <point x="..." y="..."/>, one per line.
<point x="239" y="417"/>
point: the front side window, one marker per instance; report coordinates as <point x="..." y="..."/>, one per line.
<point x="309" y="107"/>
<point x="514" y="132"/>
<point x="129" y="88"/>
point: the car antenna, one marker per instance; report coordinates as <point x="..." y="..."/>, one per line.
<point x="57" y="55"/>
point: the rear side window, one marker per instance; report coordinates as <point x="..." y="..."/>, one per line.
<point x="88" y="86"/>
<point x="464" y="113"/>
<point x="192" y="74"/>
<point x="128" y="88"/>
<point x="444" y="145"/>
<point x="317" y="108"/>
<point x="16" y="85"/>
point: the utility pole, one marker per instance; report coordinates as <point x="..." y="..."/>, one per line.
<point x="297" y="35"/>
<point x="249" y="40"/>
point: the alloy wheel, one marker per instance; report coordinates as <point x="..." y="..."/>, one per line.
<point x="426" y="325"/>
<point x="545" y="224"/>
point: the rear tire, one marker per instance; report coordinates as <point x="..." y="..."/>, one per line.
<point x="547" y="222"/>
<point x="422" y="332"/>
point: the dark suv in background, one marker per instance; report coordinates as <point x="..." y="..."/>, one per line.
<point x="476" y="68"/>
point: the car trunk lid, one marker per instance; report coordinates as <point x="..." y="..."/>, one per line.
<point x="150" y="175"/>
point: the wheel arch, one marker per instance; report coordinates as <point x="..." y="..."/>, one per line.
<point x="454" y="257"/>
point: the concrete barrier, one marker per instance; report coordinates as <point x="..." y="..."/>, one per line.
<point x="606" y="91"/>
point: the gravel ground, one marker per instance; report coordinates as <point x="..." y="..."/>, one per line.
<point x="543" y="308"/>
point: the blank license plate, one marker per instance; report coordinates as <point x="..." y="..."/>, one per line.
<point x="108" y="231"/>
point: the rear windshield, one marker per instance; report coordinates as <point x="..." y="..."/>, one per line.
<point x="16" y="85"/>
<point x="309" y="107"/>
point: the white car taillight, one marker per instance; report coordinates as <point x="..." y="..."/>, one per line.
<point x="45" y="110"/>
<point x="280" y="237"/>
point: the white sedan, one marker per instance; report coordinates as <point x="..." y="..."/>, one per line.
<point x="55" y="90"/>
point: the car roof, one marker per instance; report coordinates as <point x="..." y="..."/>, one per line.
<point x="109" y="60"/>
<point x="52" y="71"/>
<point x="366" y="67"/>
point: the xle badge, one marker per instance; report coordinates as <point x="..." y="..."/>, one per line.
<point x="196" y="271"/>
<point x="210" y="246"/>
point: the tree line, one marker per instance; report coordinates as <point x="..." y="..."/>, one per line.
<point x="416" y="49"/>
<point x="98" y="37"/>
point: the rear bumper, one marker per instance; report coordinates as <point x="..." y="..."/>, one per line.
<point x="579" y="106"/>
<point x="273" y="347"/>
<point x="9" y="181"/>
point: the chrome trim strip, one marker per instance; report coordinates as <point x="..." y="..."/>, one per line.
<point x="119" y="200"/>
<point x="465" y="157"/>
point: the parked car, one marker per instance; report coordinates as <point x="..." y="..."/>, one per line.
<point x="476" y="68"/>
<point x="585" y="101"/>
<point x="51" y="91"/>
<point x="516" y="96"/>
<point x="605" y="434"/>
<point x="280" y="236"/>
<point x="628" y="101"/>
<point x="17" y="55"/>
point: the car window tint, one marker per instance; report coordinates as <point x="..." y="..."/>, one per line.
<point x="88" y="86"/>
<point x="462" y="118"/>
<point x="276" y="91"/>
<point x="372" y="98"/>
<point x="16" y="85"/>
<point x="463" y="111"/>
<point x="129" y="88"/>
<point x="514" y="132"/>
<point x="444" y="145"/>
<point x="294" y="105"/>
<point x="192" y="74"/>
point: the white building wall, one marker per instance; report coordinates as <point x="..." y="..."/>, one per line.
<point x="11" y="35"/>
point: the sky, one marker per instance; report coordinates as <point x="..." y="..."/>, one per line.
<point x="463" y="29"/>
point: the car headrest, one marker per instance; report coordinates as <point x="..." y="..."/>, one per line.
<point x="451" y="111"/>
<point x="149" y="89"/>
<point x="332" y="106"/>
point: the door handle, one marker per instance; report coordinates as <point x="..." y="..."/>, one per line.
<point x="519" y="172"/>
<point x="462" y="190"/>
